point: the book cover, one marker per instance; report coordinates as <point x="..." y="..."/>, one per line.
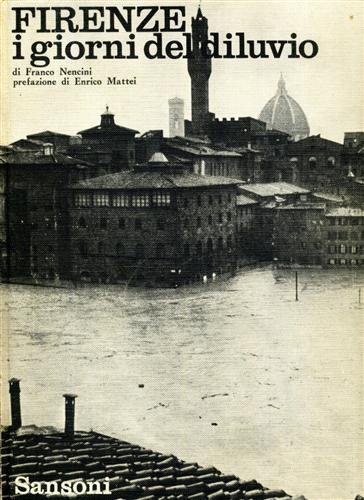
<point x="182" y="249"/>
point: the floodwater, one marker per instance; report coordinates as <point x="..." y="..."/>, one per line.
<point x="234" y="373"/>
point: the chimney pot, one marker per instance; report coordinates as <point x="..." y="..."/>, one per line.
<point x="14" y="389"/>
<point x="69" y="426"/>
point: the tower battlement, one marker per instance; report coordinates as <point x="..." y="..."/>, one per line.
<point x="240" y="119"/>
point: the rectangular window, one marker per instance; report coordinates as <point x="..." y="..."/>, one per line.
<point x="140" y="200"/>
<point x="332" y="249"/>
<point x="354" y="249"/>
<point x="138" y="224"/>
<point x="120" y="200"/>
<point x="342" y="249"/>
<point x="161" y="199"/>
<point x="332" y="235"/>
<point x="343" y="221"/>
<point x="331" y="221"/>
<point x="343" y="235"/>
<point x="331" y="262"/>
<point x="101" y="199"/>
<point x="354" y="221"/>
<point x="161" y="224"/>
<point x="82" y="200"/>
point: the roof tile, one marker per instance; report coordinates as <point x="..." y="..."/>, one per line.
<point x="216" y="495"/>
<point x="256" y="494"/>
<point x="274" y="494"/>
<point x="133" y="471"/>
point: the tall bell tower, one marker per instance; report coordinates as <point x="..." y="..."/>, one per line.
<point x="199" y="69"/>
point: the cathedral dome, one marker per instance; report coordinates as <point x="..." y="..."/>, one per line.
<point x="283" y="113"/>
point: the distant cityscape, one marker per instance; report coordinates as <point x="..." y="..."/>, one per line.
<point x="112" y="205"/>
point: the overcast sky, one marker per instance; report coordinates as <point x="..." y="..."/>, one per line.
<point x="329" y="87"/>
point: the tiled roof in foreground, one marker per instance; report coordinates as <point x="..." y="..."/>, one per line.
<point x="135" y="473"/>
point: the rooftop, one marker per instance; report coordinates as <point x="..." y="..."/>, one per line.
<point x="273" y="189"/>
<point x="241" y="200"/>
<point x="47" y="132"/>
<point x="107" y="124"/>
<point x="270" y="132"/>
<point x="328" y="197"/>
<point x="345" y="212"/>
<point x="157" y="173"/>
<point x="100" y="128"/>
<point x="43" y="454"/>
<point x="158" y="157"/>
<point x="21" y="157"/>
<point x="176" y="100"/>
<point x="199" y="148"/>
<point x="153" y="180"/>
<point x="316" y="141"/>
<point x="303" y="206"/>
<point x="27" y="144"/>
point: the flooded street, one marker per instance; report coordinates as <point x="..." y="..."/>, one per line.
<point x="280" y="379"/>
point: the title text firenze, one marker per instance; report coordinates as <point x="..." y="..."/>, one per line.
<point x="129" y="20"/>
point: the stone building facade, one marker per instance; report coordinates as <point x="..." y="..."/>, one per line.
<point x="344" y="245"/>
<point x="314" y="162"/>
<point x="235" y="132"/>
<point x="313" y="234"/>
<point x="246" y="214"/>
<point x="298" y="234"/>
<point x="160" y="223"/>
<point x="268" y="197"/>
<point x="36" y="206"/>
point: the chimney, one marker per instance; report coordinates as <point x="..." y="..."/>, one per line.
<point x="14" y="389"/>
<point x="69" y="426"/>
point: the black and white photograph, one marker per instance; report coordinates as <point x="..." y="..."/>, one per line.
<point x="182" y="249"/>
